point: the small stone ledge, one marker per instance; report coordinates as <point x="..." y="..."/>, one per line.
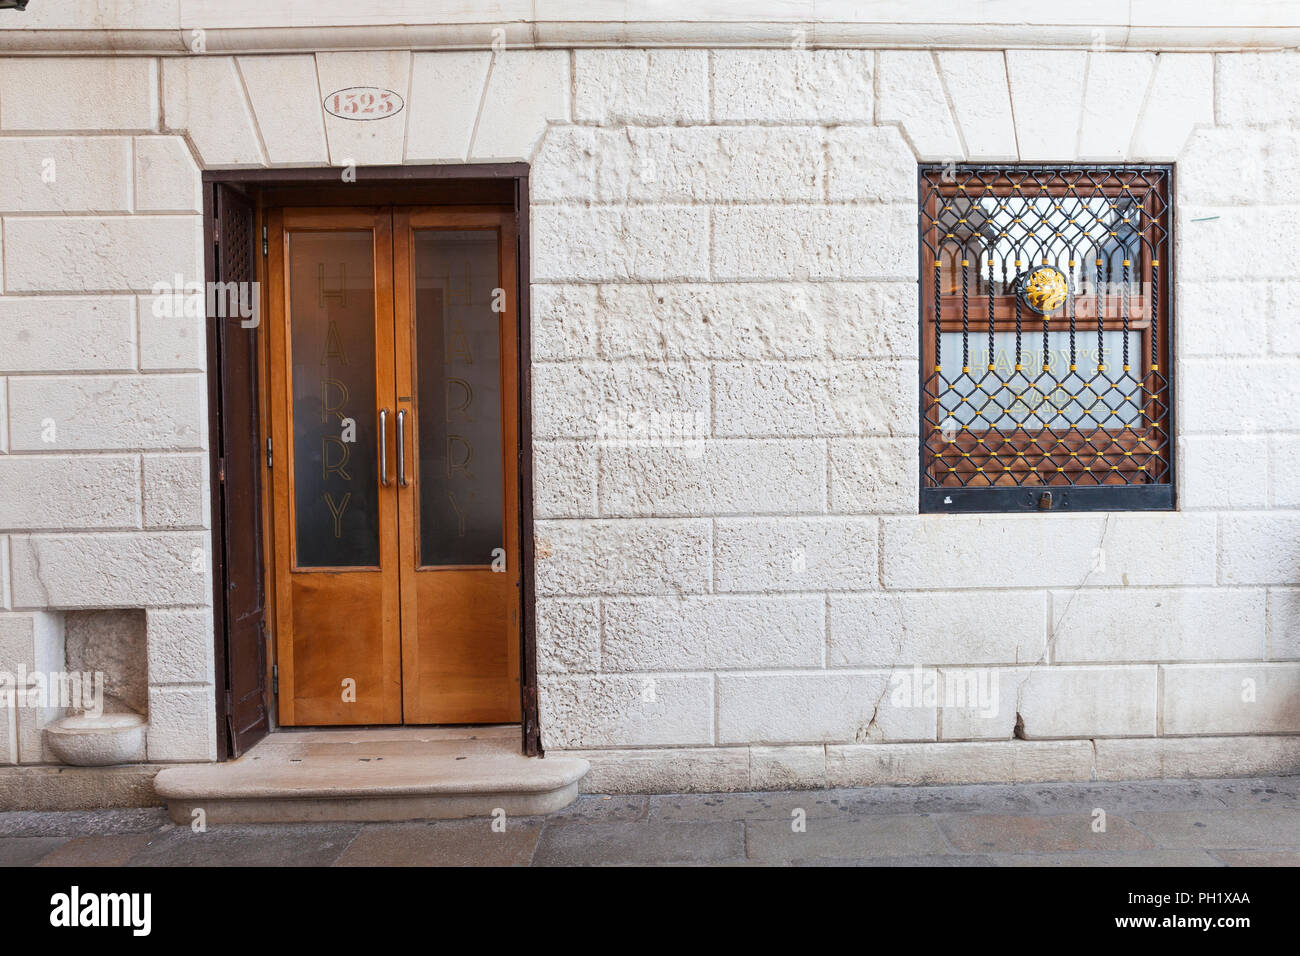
<point x="45" y="787"/>
<point x="735" y="769"/>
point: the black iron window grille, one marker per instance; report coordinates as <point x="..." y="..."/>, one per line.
<point x="1046" y="338"/>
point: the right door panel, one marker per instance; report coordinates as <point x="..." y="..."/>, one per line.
<point x="457" y="437"/>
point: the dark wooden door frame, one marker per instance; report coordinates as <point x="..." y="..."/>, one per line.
<point x="509" y="177"/>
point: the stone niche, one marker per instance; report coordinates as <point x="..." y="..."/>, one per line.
<point x="112" y="644"/>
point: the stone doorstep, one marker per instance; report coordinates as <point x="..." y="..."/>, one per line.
<point x="400" y="773"/>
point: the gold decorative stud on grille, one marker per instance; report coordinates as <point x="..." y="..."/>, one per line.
<point x="1043" y="290"/>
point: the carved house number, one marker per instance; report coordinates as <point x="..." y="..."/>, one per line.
<point x="363" y="103"/>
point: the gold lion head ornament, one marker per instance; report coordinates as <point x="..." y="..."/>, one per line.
<point x="1044" y="289"/>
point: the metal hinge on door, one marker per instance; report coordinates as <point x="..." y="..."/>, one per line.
<point x="266" y="249"/>
<point x="270" y="460"/>
<point x="275" y="679"/>
<point x="221" y="470"/>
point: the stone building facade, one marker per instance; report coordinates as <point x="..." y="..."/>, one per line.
<point x="734" y="586"/>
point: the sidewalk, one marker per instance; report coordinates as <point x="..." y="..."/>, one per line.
<point x="1234" y="822"/>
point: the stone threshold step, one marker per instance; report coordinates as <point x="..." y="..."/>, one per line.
<point x="401" y="773"/>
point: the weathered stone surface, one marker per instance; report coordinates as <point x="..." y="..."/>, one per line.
<point x="665" y="476"/>
<point x="621" y="401"/>
<point x="1235" y="756"/>
<point x="58" y="174"/>
<point x="175" y="491"/>
<point x="286" y="104"/>
<point x="636" y="556"/>
<point x="565" y="322"/>
<point x="375" y="142"/>
<point x="1158" y="624"/>
<point x="814" y="242"/>
<point x="446" y="93"/>
<point x="618" y="710"/>
<point x="526" y="89"/>
<point x="1116" y="88"/>
<point x="789" y="86"/>
<point x="641" y="242"/>
<point x="815" y="399"/>
<point x="787" y="768"/>
<point x="683" y="322"/>
<point x="1041" y="551"/>
<point x="182" y="723"/>
<point x="1284" y="623"/>
<point x="125" y="93"/>
<point x="166" y="177"/>
<point x="107" y="412"/>
<point x="1257" y="89"/>
<point x="568" y="635"/>
<point x="76" y="492"/>
<point x="1209" y="699"/>
<point x="1063" y="701"/>
<point x="204" y="97"/>
<point x="179" y="645"/>
<point x="666" y="770"/>
<point x="111" y="643"/>
<point x="909" y="93"/>
<point x="706" y="632"/>
<point x="114" y="254"/>
<point x="925" y="628"/>
<point x="795" y="554"/>
<point x="564" y="479"/>
<point x="665" y="87"/>
<point x="1046" y="100"/>
<point x="801" y="707"/>
<point x="170" y="342"/>
<point x="1180" y="97"/>
<point x="130" y="570"/>
<point x="1017" y="761"/>
<point x="873" y="475"/>
<point x="870" y="163"/>
<point x="976" y="83"/>
<point x="1245" y="558"/>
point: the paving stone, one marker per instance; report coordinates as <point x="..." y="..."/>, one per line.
<point x="79" y="823"/>
<point x="883" y="836"/>
<point x="1121" y="798"/>
<point x="1258" y="857"/>
<point x="1034" y="834"/>
<point x="724" y="807"/>
<point x="604" y="808"/>
<point x="1231" y="829"/>
<point x="1084" y="858"/>
<point x="445" y="843"/>
<point x="249" y="845"/>
<point x="111" y="850"/>
<point x="26" y="851"/>
<point x="640" y="843"/>
<point x="1258" y="792"/>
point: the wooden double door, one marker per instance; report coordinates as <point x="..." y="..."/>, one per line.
<point x="394" y="464"/>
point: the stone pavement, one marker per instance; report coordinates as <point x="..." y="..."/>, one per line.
<point x="1233" y="822"/>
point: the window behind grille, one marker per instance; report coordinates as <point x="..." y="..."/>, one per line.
<point x="1045" y="330"/>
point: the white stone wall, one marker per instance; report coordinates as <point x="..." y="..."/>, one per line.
<point x="729" y="238"/>
<point x="724" y="271"/>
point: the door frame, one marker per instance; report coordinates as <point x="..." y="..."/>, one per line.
<point x="407" y="185"/>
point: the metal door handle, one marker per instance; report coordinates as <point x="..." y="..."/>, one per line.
<point x="401" y="447"/>
<point x="383" y="447"/>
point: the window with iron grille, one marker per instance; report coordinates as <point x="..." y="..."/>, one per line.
<point x="1046" y="338"/>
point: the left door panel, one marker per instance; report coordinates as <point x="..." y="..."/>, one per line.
<point x="335" y="503"/>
